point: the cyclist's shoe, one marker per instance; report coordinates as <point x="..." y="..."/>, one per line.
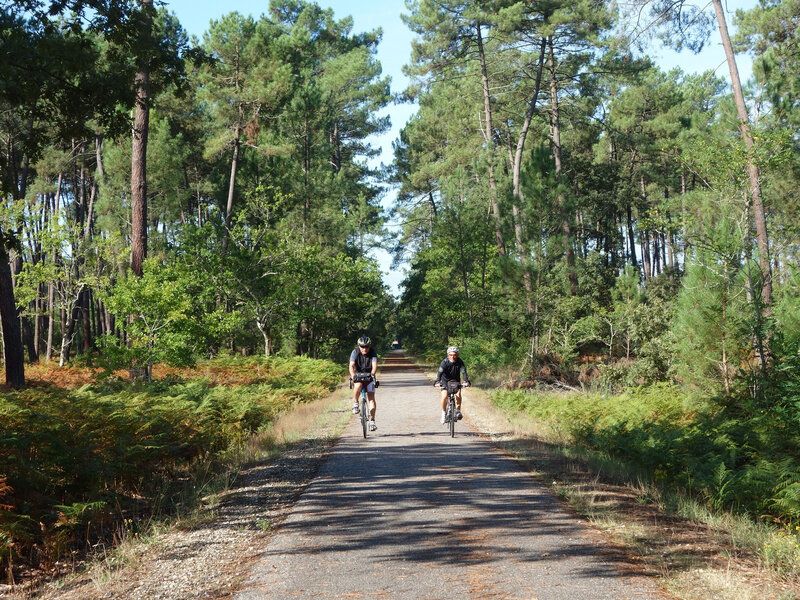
<point x="355" y="408"/>
<point x="444" y="418"/>
<point x="459" y="416"/>
<point x="372" y="426"/>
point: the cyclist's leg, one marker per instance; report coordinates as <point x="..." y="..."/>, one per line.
<point x="372" y="405"/>
<point x="356" y="394"/>
<point x="458" y="400"/>
<point x="444" y="402"/>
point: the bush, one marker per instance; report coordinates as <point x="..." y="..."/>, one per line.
<point x="727" y="454"/>
<point x="68" y="455"/>
<point x="484" y="354"/>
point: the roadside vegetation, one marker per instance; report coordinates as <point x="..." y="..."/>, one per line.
<point x="574" y="217"/>
<point x="726" y="458"/>
<point x="167" y="202"/>
<point x="698" y="552"/>
<point x="90" y="463"/>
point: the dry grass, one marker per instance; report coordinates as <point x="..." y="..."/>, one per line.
<point x="298" y="423"/>
<point x="73" y="376"/>
<point x="50" y="374"/>
<point x="706" y="557"/>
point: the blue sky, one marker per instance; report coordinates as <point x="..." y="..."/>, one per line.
<point x="395" y="51"/>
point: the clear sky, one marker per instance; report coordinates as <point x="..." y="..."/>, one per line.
<point x="395" y="50"/>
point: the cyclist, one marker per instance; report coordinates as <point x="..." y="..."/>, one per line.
<point x="364" y="360"/>
<point x="451" y="369"/>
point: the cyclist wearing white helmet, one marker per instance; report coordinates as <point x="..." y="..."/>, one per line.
<point x="364" y="360"/>
<point x="451" y="369"/>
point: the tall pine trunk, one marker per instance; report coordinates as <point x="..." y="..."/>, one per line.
<point x="237" y="143"/>
<point x="516" y="170"/>
<point x="555" y="138"/>
<point x="764" y="307"/>
<point x="141" y="126"/>
<point x="12" y="341"/>
<point x="489" y="139"/>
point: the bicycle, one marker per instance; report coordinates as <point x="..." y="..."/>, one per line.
<point x="363" y="407"/>
<point x="450" y="413"/>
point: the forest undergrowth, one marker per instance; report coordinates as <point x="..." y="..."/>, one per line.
<point x="90" y="459"/>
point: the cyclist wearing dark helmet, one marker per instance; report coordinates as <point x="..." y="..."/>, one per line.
<point x="364" y="360"/>
<point x="451" y="369"/>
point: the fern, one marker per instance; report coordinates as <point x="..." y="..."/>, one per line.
<point x="66" y="457"/>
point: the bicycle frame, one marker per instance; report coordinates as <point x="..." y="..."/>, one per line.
<point x="450" y="415"/>
<point x="364" y="410"/>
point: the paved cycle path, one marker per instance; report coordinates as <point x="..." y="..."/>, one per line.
<point x="411" y="513"/>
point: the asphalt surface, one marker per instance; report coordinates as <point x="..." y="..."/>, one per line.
<point x="411" y="513"/>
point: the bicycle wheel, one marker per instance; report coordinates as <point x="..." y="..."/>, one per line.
<point x="451" y="409"/>
<point x="364" y="418"/>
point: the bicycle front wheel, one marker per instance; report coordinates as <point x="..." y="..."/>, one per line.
<point x="364" y="417"/>
<point x="452" y="411"/>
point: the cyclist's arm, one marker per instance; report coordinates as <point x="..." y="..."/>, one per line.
<point x="464" y="373"/>
<point x="440" y="373"/>
<point x="374" y="366"/>
<point x="352" y="368"/>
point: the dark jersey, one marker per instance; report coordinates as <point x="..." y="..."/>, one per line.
<point x="363" y="361"/>
<point x="452" y="371"/>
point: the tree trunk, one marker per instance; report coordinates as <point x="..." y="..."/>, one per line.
<point x="631" y="237"/>
<point x="86" y="320"/>
<point x="516" y="169"/>
<point x="141" y="126"/>
<point x="51" y="290"/>
<point x="28" y="338"/>
<point x="38" y="320"/>
<point x="12" y="341"/>
<point x="464" y="275"/>
<point x="87" y="230"/>
<point x="555" y="138"/>
<point x="68" y="333"/>
<point x="489" y="139"/>
<point x="267" y="338"/>
<point x="26" y="327"/>
<point x="759" y="215"/>
<point x="231" y="185"/>
<point x="517" y="164"/>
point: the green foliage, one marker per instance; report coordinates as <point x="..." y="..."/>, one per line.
<point x="483" y="354"/>
<point x="69" y="457"/>
<point x="787" y="310"/>
<point x="158" y="313"/>
<point x="711" y="322"/>
<point x="734" y="457"/>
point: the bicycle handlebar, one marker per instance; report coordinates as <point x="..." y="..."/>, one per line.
<point x="364" y="378"/>
<point x="465" y="384"/>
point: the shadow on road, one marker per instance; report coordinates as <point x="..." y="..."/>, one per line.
<point x="438" y="502"/>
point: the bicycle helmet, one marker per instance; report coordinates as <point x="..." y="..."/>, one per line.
<point x="452" y="349"/>
<point x="364" y="341"/>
